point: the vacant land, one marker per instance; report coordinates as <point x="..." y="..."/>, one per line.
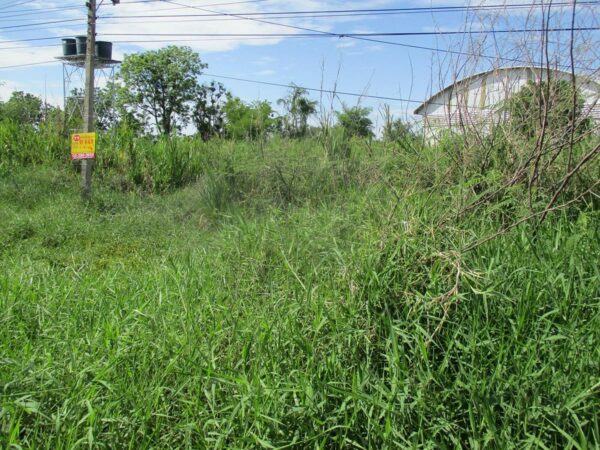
<point x="285" y="298"/>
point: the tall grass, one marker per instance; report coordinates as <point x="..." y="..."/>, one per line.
<point x="26" y="145"/>
<point x="288" y="297"/>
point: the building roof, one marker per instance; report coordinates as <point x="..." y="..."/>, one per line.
<point x="471" y="78"/>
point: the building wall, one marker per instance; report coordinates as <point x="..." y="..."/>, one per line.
<point x="471" y="104"/>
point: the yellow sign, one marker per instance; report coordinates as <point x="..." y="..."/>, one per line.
<point x="83" y="146"/>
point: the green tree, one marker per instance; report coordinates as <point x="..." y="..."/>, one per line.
<point x="547" y="105"/>
<point x="106" y="108"/>
<point x="112" y="112"/>
<point x="355" y="121"/>
<point x="298" y="108"/>
<point x="396" y="130"/>
<point x="245" y="121"/>
<point x="23" y="108"/>
<point x="160" y="85"/>
<point x="208" y="114"/>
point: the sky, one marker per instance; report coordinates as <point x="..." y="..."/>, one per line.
<point x="31" y="32"/>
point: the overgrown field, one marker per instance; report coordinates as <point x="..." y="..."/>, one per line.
<point x="289" y="295"/>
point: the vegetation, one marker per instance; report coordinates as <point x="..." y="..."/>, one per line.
<point x="547" y="105"/>
<point x="246" y="288"/>
<point x="23" y="108"/>
<point x="355" y="121"/>
<point x="208" y="114"/>
<point x="246" y="121"/>
<point x="159" y="84"/>
<point x="298" y="109"/>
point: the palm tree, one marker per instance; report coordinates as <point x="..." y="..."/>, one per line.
<point x="298" y="110"/>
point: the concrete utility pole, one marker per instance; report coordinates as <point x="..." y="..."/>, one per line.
<point x="88" y="106"/>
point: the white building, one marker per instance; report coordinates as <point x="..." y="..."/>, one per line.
<point x="473" y="101"/>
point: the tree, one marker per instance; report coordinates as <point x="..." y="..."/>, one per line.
<point x="112" y="112"/>
<point x="298" y="108"/>
<point x="105" y="104"/>
<point x="23" y="108"/>
<point x="248" y="121"/>
<point x="160" y="84"/>
<point x="208" y="114"/>
<point x="355" y="121"/>
<point x="548" y="105"/>
<point x="396" y="130"/>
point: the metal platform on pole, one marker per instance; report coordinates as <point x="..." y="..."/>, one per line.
<point x="74" y="81"/>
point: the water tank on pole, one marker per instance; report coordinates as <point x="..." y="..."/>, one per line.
<point x="81" y="44"/>
<point x="103" y="50"/>
<point x="69" y="47"/>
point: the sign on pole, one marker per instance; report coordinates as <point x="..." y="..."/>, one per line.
<point x="83" y="146"/>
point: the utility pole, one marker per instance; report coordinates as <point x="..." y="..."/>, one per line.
<point x="88" y="106"/>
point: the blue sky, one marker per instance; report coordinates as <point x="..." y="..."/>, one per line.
<point x="351" y="65"/>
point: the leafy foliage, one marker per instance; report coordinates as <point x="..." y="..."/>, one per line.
<point x="398" y="131"/>
<point x="546" y="106"/>
<point x="22" y="108"/>
<point x="208" y="114"/>
<point x="160" y="84"/>
<point x="355" y="121"/>
<point x="248" y="121"/>
<point x="298" y="108"/>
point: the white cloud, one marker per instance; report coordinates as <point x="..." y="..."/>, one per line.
<point x="265" y="73"/>
<point x="264" y="61"/>
<point x="16" y="54"/>
<point x="194" y="23"/>
<point x="147" y="29"/>
<point x="7" y="87"/>
<point x="137" y="28"/>
<point x="346" y="44"/>
<point x="50" y="92"/>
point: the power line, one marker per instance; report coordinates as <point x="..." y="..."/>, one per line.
<point x="28" y="12"/>
<point x="291" y="16"/>
<point x="40" y="23"/>
<point x="351" y="35"/>
<point x="16" y="4"/>
<point x="365" y="39"/>
<point x="270" y="37"/>
<point x="235" y="37"/>
<point x="335" y="92"/>
<point x="334" y="35"/>
<point x="158" y="41"/>
<point x="368" y="11"/>
<point x="33" y="39"/>
<point x="195" y="18"/>
<point x="148" y="41"/>
<point x="48" y="27"/>
<point x="291" y="85"/>
<point x="220" y="19"/>
<point x="325" y="91"/>
<point x="315" y="13"/>
<point x="15" y="66"/>
<point x="318" y="33"/>
<point x="329" y="35"/>
<point x="267" y="83"/>
<point x="230" y="3"/>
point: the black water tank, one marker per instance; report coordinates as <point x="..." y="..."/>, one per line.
<point x="103" y="49"/>
<point x="69" y="47"/>
<point x="81" y="44"/>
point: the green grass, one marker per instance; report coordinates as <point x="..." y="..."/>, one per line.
<point x="284" y="299"/>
